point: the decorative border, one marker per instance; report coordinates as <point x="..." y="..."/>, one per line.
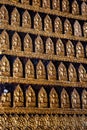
<point x="43" y="122"/>
<point x="43" y="56"/>
<point x="42" y="33"/>
<point x="42" y="82"/>
<point x="23" y="110"/>
<point x="42" y="10"/>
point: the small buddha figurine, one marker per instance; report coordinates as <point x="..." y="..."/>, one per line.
<point x="65" y="5"/>
<point x="70" y="49"/>
<point x="42" y="98"/>
<point x="4" y="17"/>
<point x="84" y="9"/>
<point x="72" y="73"/>
<point x="49" y="46"/>
<point x="46" y="3"/>
<point x="47" y="24"/>
<point x="26" y="20"/>
<point x="28" y="47"/>
<point x="75" y="8"/>
<point x="40" y="70"/>
<point x="30" y="97"/>
<point x="56" y="5"/>
<point x="39" y="48"/>
<point x="67" y="27"/>
<point x="54" y="103"/>
<point x="75" y="99"/>
<point x="36" y="3"/>
<point x="29" y="70"/>
<point x="18" y="99"/>
<point x="51" y="71"/>
<point x="84" y="99"/>
<point x="85" y="29"/>
<point x="64" y="99"/>
<point x="15" y="18"/>
<point x="60" y="48"/>
<point x="79" y="50"/>
<point x="62" y="72"/>
<point x="77" y="29"/>
<point x="16" y="42"/>
<point x="58" y="25"/>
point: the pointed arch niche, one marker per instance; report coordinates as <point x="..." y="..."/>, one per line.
<point x="60" y="51"/>
<point x="29" y="70"/>
<point x="5" y="99"/>
<point x="85" y="29"/>
<point x="54" y="101"/>
<point x="4" y="41"/>
<point x="36" y="3"/>
<point x="40" y="70"/>
<point x="42" y="98"/>
<point x="70" y="49"/>
<point x="65" y="6"/>
<point x="51" y="71"/>
<point x="77" y="29"/>
<point x="67" y="27"/>
<point x="16" y="42"/>
<point x="4" y="17"/>
<point x="46" y="3"/>
<point x="30" y="97"/>
<point x="47" y="24"/>
<point x="15" y="17"/>
<point x="84" y="9"/>
<point x="18" y="97"/>
<point x="72" y="73"/>
<point x="84" y="99"/>
<point x="39" y="47"/>
<point x="62" y="72"/>
<point x="58" y="25"/>
<point x="82" y="73"/>
<point x="65" y="103"/>
<point x="28" y="46"/>
<point x="75" y="99"/>
<point x="4" y="67"/>
<point x="56" y="5"/>
<point x="17" y="68"/>
<point x="37" y="22"/>
<point x="26" y="20"/>
<point x="49" y="46"/>
<point x="79" y="50"/>
<point x="75" y="8"/>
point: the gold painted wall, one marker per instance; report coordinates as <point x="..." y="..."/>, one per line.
<point x="43" y="65"/>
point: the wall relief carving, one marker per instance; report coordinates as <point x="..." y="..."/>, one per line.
<point x="26" y="20"/>
<point x="17" y="68"/>
<point x="28" y="47"/>
<point x="62" y="72"/>
<point x="18" y="98"/>
<point x="15" y="18"/>
<point x="29" y="70"/>
<point x="30" y="97"/>
<point x="40" y="70"/>
<point x="42" y="98"/>
<point x="51" y="71"/>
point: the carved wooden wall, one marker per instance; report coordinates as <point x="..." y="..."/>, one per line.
<point x="43" y="65"/>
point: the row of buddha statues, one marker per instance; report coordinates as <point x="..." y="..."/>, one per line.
<point x="42" y="122"/>
<point x="49" y="24"/>
<point x="59" y="5"/>
<point x="42" y="71"/>
<point x="42" y="46"/>
<point x="31" y="99"/>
